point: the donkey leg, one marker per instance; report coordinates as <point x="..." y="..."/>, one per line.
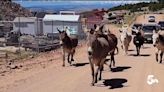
<point x="157" y="51"/>
<point x="72" y="55"/>
<point x="137" y="50"/>
<point x="112" y="59"/>
<point x="161" y="55"/>
<point x="101" y="69"/>
<point x="63" y="58"/>
<point x="96" y="73"/>
<point x="68" y="58"/>
<point x="122" y="46"/>
<point x="92" y="70"/>
<point x="126" y="50"/>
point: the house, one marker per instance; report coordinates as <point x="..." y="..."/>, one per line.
<point x="91" y="20"/>
<point x="53" y="21"/>
<point x="28" y="25"/>
<point x="93" y="17"/>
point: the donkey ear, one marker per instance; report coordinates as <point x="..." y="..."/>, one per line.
<point x="101" y="28"/>
<point x="95" y="26"/>
<point x="91" y="31"/>
<point x="58" y="30"/>
<point x="120" y="30"/>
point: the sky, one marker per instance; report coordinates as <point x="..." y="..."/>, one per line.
<point x="81" y="5"/>
<point x="27" y="3"/>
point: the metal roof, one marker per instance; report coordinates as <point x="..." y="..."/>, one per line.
<point x="25" y="19"/>
<point x="53" y="17"/>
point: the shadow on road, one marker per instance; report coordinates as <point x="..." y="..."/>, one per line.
<point x="143" y="55"/>
<point x="131" y="50"/>
<point x="120" y="68"/>
<point x="80" y="64"/>
<point x="115" y="82"/>
<point x="145" y="47"/>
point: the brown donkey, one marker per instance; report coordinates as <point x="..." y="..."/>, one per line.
<point x="98" y="49"/>
<point x="68" y="45"/>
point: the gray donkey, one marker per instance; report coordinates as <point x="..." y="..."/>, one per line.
<point x="98" y="49"/>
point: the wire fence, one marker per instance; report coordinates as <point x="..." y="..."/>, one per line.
<point x="30" y="34"/>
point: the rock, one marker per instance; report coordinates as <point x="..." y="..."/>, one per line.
<point x="13" y="67"/>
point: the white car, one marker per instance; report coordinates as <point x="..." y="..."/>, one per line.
<point x="151" y="19"/>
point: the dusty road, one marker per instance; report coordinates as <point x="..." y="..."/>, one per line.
<point x="144" y="18"/>
<point x="130" y="75"/>
<point x="46" y="74"/>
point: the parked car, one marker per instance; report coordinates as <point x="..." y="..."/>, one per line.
<point x="151" y="19"/>
<point x="135" y="28"/>
<point x="161" y="24"/>
<point x="148" y="31"/>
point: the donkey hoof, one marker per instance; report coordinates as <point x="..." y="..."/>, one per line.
<point x="110" y="66"/>
<point x="95" y="81"/>
<point x="63" y="65"/>
<point x="92" y="84"/>
<point x="157" y="60"/>
<point x="72" y="59"/>
<point x="160" y="62"/>
<point x="100" y="78"/>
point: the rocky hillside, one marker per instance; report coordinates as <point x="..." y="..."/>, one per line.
<point x="9" y="10"/>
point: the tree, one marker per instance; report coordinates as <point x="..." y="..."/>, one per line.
<point x="161" y="1"/>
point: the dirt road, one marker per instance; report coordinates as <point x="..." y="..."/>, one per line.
<point x="46" y="74"/>
<point x="130" y="75"/>
<point x="144" y="18"/>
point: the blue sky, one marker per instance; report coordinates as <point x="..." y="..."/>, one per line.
<point x="31" y="3"/>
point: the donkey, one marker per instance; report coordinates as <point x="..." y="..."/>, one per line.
<point x="158" y="42"/>
<point x="125" y="39"/>
<point x="68" y="45"/>
<point x="98" y="49"/>
<point x="103" y="31"/>
<point x="138" y="41"/>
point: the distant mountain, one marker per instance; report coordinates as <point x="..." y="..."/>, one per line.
<point x="77" y="8"/>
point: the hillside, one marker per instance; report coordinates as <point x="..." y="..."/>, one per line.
<point x="153" y="6"/>
<point x="9" y="10"/>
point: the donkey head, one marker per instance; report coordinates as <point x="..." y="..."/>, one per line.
<point x="62" y="35"/>
<point x="101" y="29"/>
<point x="123" y="34"/>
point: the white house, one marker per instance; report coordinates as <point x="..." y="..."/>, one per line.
<point x="51" y="22"/>
<point x="28" y="25"/>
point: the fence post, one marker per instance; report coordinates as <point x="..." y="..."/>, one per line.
<point x="19" y="32"/>
<point x="52" y="31"/>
